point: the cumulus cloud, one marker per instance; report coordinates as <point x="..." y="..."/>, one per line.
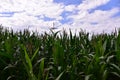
<point x="70" y="8"/>
<point x="90" y="4"/>
<point x="97" y="16"/>
<point x="25" y="12"/>
<point x="97" y="22"/>
<point x="31" y="14"/>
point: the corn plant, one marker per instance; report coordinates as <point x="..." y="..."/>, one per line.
<point x="59" y="55"/>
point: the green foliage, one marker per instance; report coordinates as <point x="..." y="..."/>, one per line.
<point x="59" y="56"/>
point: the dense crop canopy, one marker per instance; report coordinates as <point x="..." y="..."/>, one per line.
<point x="26" y="56"/>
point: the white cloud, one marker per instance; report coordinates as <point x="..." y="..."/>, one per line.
<point x="97" y="16"/>
<point x="49" y="9"/>
<point x="84" y="16"/>
<point x="104" y="21"/>
<point x="25" y="12"/>
<point x="97" y="21"/>
<point x="70" y="8"/>
<point x="12" y="5"/>
<point x="85" y="6"/>
<point x="33" y="7"/>
<point x="90" y="4"/>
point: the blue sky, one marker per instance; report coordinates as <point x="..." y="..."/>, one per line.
<point x="69" y="2"/>
<point x="93" y="16"/>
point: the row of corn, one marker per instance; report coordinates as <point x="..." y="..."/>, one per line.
<point x="59" y="56"/>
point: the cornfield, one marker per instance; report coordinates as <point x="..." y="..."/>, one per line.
<point x="26" y="56"/>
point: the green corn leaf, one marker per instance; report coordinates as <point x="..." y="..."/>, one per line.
<point x="88" y="77"/>
<point x="28" y="61"/>
<point x="34" y="54"/>
<point x="6" y="55"/>
<point x="58" y="78"/>
<point x="46" y="78"/>
<point x="105" y="75"/>
<point x="115" y="73"/>
<point x="116" y="67"/>
<point x="104" y="46"/>
<point x="9" y="66"/>
<point x="27" y="68"/>
<point x="41" y="69"/>
<point x="10" y="77"/>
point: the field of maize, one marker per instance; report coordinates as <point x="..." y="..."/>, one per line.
<point x="25" y="56"/>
